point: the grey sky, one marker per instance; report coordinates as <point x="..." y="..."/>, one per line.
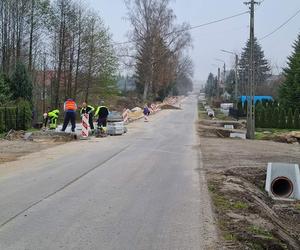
<point x="230" y="35"/>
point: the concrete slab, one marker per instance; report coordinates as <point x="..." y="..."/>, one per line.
<point x="227" y="126"/>
<point x="238" y="135"/>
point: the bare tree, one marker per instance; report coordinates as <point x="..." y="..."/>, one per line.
<point x="158" y="41"/>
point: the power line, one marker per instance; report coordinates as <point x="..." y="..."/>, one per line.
<point x="281" y="26"/>
<point x="190" y="28"/>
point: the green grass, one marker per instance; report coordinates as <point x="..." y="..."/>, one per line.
<point x="211" y="188"/>
<point x="221" y="202"/>
<point x="260" y="231"/>
<point x="298" y="206"/>
<point x="201" y="112"/>
<point x="229" y="237"/>
<point x="221" y="116"/>
<point x="274" y="130"/>
<point x="240" y="205"/>
<point x="260" y="135"/>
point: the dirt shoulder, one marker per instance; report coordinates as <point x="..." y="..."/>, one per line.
<point x="236" y="172"/>
<point x="12" y="150"/>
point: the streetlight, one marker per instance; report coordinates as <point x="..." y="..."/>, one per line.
<point x="218" y="80"/>
<point x="224" y="74"/>
<point x="220" y="60"/>
<point x="236" y="73"/>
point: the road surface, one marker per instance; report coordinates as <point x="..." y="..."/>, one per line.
<point x="143" y="190"/>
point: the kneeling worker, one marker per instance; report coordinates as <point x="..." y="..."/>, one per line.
<point x="88" y="109"/>
<point x="70" y="108"/>
<point x="102" y="113"/>
<point x="52" y="117"/>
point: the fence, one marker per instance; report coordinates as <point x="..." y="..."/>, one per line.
<point x="17" y="118"/>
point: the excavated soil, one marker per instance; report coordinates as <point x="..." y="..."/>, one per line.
<point x="18" y="143"/>
<point x="236" y="172"/>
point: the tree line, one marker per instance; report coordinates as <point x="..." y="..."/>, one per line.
<point x="62" y="47"/>
<point x="51" y="50"/>
<point x="285" y="88"/>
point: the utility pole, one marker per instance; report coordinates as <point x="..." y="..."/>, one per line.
<point x="219" y="74"/>
<point x="236" y="80"/>
<point x="251" y="94"/>
<point x="236" y="75"/>
<point x="224" y="79"/>
<point x="218" y="84"/>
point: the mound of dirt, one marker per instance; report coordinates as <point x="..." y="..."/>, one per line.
<point x="53" y="136"/>
<point x="168" y="106"/>
<point x="249" y="218"/>
<point x="13" y="135"/>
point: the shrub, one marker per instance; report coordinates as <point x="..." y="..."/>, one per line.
<point x="268" y="117"/>
<point x="2" y="124"/>
<point x="258" y="111"/>
<point x="262" y="118"/>
<point x="275" y="118"/>
<point x="282" y="119"/>
<point x="296" y="119"/>
<point x="289" y="123"/>
<point x="24" y="115"/>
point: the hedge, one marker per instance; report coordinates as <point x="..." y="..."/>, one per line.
<point x="17" y="118"/>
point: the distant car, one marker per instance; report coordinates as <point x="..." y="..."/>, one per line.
<point x="115" y="124"/>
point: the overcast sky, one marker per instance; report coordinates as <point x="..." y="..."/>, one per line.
<point x="230" y="35"/>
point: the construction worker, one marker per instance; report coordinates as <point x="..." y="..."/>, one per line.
<point x="146" y="113"/>
<point x="102" y="113"/>
<point x="52" y="117"/>
<point x="70" y="108"/>
<point x="88" y="109"/>
<point x="46" y="118"/>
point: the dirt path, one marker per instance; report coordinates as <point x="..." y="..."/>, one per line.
<point x="248" y="218"/>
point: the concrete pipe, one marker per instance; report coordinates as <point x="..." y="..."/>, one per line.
<point x="282" y="187"/>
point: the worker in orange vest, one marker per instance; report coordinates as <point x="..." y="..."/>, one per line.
<point x="70" y="108"/>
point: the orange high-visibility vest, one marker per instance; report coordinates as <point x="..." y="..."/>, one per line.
<point x="70" y="105"/>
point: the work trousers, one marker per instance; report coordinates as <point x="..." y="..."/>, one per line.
<point x="91" y="122"/>
<point x="69" y="116"/>
<point x="102" y="122"/>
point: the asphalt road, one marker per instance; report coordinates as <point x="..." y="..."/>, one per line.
<point x="143" y="190"/>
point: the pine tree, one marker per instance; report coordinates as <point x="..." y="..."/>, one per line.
<point x="289" y="92"/>
<point x="210" y="88"/>
<point x="275" y="118"/>
<point x="4" y="89"/>
<point x="289" y="123"/>
<point x="261" y="65"/>
<point x="21" y="86"/>
<point x="230" y="82"/>
<point x="296" y="119"/>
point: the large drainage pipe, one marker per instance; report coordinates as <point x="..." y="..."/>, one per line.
<point x="282" y="187"/>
